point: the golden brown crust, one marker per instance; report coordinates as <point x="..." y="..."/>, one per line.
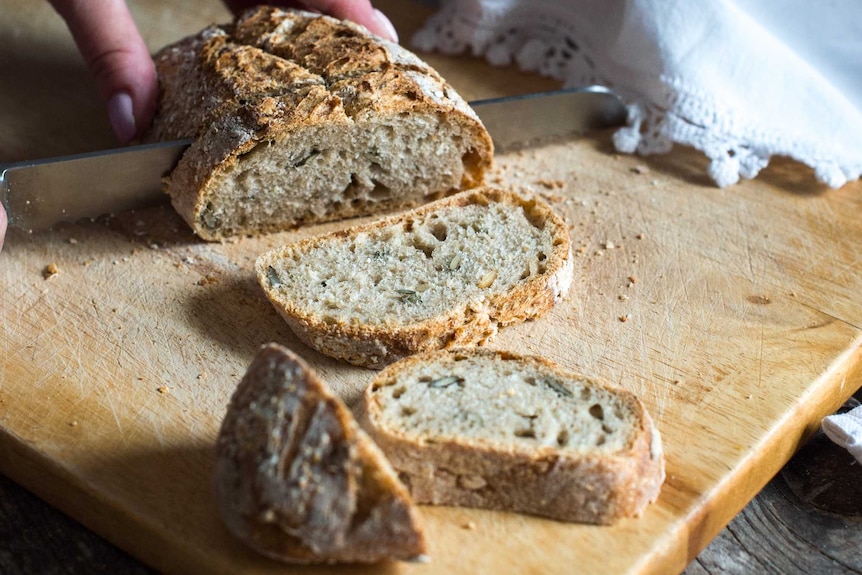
<point x="274" y="74"/>
<point x="297" y="480"/>
<point x="375" y="346"/>
<point x="598" y="488"/>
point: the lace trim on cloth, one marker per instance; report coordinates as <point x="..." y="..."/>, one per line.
<point x="563" y="41"/>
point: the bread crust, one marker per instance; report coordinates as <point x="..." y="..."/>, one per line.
<point x="298" y="481"/>
<point x="280" y="75"/>
<point x="474" y="322"/>
<point x="598" y="488"/>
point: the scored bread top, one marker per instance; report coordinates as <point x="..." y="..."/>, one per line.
<point x="298" y="118"/>
<point x="297" y="480"/>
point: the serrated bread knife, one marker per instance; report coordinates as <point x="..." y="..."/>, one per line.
<point x="40" y="193"/>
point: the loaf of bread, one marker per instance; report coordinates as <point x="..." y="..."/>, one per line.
<point x="443" y="275"/>
<point x="489" y="429"/>
<point x="298" y="118"/>
<point x="298" y="481"/>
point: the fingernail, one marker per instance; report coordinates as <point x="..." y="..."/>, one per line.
<point x="386" y="24"/>
<point x="122" y="117"/>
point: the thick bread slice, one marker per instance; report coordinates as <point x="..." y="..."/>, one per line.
<point x="297" y="480"/>
<point x="446" y="274"/>
<point x="300" y="118"/>
<point x="489" y="429"/>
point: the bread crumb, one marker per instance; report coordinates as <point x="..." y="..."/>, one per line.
<point x="640" y="169"/>
<point x="639" y="236"/>
<point x="469" y="526"/>
<point x="50" y="271"/>
<point x="163" y="389"/>
<point x="623" y="297"/>
<point x="552" y="184"/>
<point x="552" y="198"/>
<point x="609" y="245"/>
<point x="73" y="423"/>
<point x="625" y="318"/>
<point x="73" y="241"/>
<point x="207" y="280"/>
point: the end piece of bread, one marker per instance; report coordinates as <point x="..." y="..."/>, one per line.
<point x="444" y="275"/>
<point x="299" y="118"/>
<point x="495" y="430"/>
<point x="298" y="481"/>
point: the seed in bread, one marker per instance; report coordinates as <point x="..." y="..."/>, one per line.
<point x="446" y="274"/>
<point x="299" y="118"/>
<point x="298" y="481"/>
<point x="481" y="428"/>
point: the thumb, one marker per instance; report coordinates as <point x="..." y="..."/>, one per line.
<point x="117" y="58"/>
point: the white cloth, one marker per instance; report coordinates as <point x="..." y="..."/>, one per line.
<point x="740" y="80"/>
<point x="845" y="429"/>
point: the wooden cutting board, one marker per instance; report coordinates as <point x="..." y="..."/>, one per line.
<point x="734" y="314"/>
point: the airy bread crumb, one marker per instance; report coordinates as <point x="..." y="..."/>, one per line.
<point x="562" y="446"/>
<point x="447" y="274"/>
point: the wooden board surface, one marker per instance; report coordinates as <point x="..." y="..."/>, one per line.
<point x="742" y="328"/>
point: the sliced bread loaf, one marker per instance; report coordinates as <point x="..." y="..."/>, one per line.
<point x="298" y="118"/>
<point x="443" y="275"/>
<point x="298" y="481"/>
<point x="489" y="429"/>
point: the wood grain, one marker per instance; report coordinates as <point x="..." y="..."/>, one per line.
<point x="742" y="328"/>
<point x="789" y="528"/>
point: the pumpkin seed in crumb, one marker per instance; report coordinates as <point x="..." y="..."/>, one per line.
<point x="302" y="161"/>
<point x="274" y="280"/>
<point x="408" y="295"/>
<point x="446" y="381"/>
<point x="559" y="388"/>
<point x="455" y="262"/>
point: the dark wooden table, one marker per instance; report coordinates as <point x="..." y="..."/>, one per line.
<point x="807" y="520"/>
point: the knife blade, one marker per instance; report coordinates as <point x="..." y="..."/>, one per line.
<point x="41" y="193"/>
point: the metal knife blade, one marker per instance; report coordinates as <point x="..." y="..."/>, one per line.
<point x="41" y="193"/>
<point x="520" y="119"/>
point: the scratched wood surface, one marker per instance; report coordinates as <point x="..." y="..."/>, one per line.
<point x="734" y="314"/>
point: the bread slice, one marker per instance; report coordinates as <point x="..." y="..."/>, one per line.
<point x="297" y="480"/>
<point x="480" y="428"/>
<point x="299" y="118"/>
<point x="446" y="274"/>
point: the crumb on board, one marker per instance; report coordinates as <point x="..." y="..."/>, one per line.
<point x="469" y="526"/>
<point x="640" y="169"/>
<point x="50" y="271"/>
<point x="208" y="279"/>
<point x="163" y="389"/>
<point x="552" y="184"/>
<point x="625" y="317"/>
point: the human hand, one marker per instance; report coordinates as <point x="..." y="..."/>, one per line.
<point x="121" y="65"/>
